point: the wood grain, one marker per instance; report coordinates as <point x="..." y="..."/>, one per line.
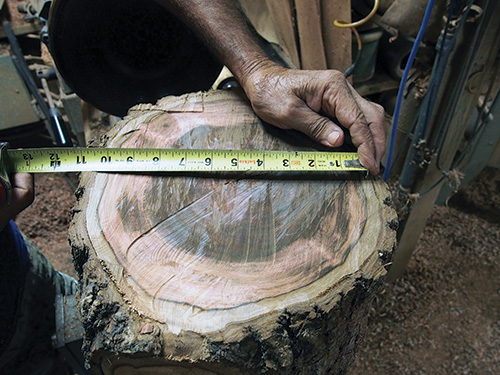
<point x="337" y="41"/>
<point x="205" y="260"/>
<point x="312" y="50"/>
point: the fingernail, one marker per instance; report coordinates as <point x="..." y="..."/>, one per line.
<point x="332" y="138"/>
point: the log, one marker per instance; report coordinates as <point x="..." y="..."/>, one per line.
<point x="219" y="275"/>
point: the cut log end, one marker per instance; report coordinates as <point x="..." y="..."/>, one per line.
<point x="218" y="275"/>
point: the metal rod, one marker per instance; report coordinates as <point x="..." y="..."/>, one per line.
<point x="52" y="121"/>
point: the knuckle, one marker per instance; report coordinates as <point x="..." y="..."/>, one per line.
<point x="361" y="134"/>
<point x="289" y="107"/>
<point x="378" y="107"/>
<point x="359" y="123"/>
<point x="377" y="113"/>
<point x="337" y="75"/>
<point x="285" y="111"/>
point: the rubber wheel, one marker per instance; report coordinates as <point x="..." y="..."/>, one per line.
<point x="117" y="53"/>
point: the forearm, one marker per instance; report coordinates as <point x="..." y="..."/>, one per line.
<point x="286" y="98"/>
<point x="221" y="25"/>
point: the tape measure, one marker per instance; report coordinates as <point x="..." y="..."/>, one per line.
<point x="45" y="160"/>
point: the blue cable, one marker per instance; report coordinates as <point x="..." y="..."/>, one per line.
<point x="402" y="84"/>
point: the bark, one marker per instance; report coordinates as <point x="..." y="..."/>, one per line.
<point x="219" y="275"/>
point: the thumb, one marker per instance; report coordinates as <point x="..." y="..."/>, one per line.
<point x="319" y="128"/>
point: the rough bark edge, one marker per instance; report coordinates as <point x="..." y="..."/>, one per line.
<point x="110" y="327"/>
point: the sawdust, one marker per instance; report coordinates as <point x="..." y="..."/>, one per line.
<point x="443" y="316"/>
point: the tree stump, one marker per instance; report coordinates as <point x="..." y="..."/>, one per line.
<point x="220" y="275"/>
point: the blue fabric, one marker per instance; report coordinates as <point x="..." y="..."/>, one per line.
<point x="13" y="268"/>
<point x="20" y="246"/>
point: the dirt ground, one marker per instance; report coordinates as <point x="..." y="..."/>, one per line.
<point x="46" y="221"/>
<point x="442" y="317"/>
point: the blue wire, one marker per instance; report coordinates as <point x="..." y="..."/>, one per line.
<point x="402" y="84"/>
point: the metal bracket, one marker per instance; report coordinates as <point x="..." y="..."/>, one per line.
<point x="423" y="154"/>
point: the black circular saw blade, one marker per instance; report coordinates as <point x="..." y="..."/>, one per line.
<point x="117" y="53"/>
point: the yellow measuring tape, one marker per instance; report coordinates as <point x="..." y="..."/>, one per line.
<point x="44" y="160"/>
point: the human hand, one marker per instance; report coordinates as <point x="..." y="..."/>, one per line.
<point x="293" y="99"/>
<point x="23" y="194"/>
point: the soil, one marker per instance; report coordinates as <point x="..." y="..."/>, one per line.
<point x="46" y="221"/>
<point x="441" y="317"/>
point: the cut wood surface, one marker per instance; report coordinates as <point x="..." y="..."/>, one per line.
<point x="217" y="275"/>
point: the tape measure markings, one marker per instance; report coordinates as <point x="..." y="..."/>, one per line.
<point x="44" y="160"/>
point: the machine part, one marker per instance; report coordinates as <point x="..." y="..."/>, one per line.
<point x="117" y="53"/>
<point x="470" y="18"/>
<point x="361" y="22"/>
<point x="55" y="117"/>
<point x="484" y="142"/>
<point x="73" y="110"/>
<point x="365" y="65"/>
<point x="495" y="158"/>
<point x="229" y="83"/>
<point x="406" y="122"/>
<point x="36" y="9"/>
<point x="385" y="4"/>
<point x="476" y="45"/>
<point x="395" y="54"/>
<point x="15" y="101"/>
<point x="54" y="126"/>
<point x="474" y="81"/>
<point x="406" y="16"/>
<point x="46" y="72"/>
<point x="358" y="48"/>
<point x="402" y="84"/>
